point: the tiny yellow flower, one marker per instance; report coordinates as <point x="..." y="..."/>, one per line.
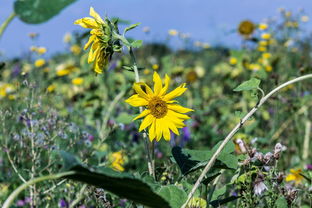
<point x="266" y="55"/>
<point x="262" y="48"/>
<point x="155" y="66"/>
<point x="146" y="71"/>
<point x="67" y="38"/>
<point x="51" y="88"/>
<point x="295" y="175"/>
<point x="233" y="61"/>
<point x="39" y="63"/>
<point x="263" y="26"/>
<point x="117" y="160"/>
<point x="33" y="48"/>
<point x="197" y="202"/>
<point x="254" y="67"/>
<point x="77" y="81"/>
<point x="41" y="50"/>
<point x="162" y="114"/>
<point x="75" y="49"/>
<point x="173" y="32"/>
<point x="62" y="72"/>
<point x="263" y="43"/>
<point x="268" y="68"/>
<point x="266" y="36"/>
<point x="305" y="18"/>
<point x="205" y="45"/>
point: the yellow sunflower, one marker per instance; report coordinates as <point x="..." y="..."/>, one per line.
<point x="102" y="47"/>
<point x="295" y="175"/>
<point x="246" y="28"/>
<point x="162" y="114"/>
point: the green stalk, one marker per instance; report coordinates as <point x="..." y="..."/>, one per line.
<point x="150" y="163"/>
<point x="6" y="23"/>
<point x="22" y="187"/>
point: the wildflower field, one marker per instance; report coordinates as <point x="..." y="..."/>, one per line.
<point x="112" y="121"/>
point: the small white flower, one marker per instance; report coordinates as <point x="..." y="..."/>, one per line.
<point x="259" y="188"/>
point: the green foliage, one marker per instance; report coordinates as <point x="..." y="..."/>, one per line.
<point x="174" y="195"/>
<point x="122" y="184"/>
<point x="39" y="11"/>
<point x="251" y="84"/>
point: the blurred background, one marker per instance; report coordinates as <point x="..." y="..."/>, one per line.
<point x="213" y="21"/>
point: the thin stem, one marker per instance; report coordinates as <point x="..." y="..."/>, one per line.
<point x="6" y="23"/>
<point x="151" y="170"/>
<point x="22" y="187"/>
<point x="14" y="167"/>
<point x="235" y="129"/>
<point x="79" y="197"/>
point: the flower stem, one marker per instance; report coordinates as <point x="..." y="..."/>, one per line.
<point x="150" y="163"/>
<point x="22" y="187"/>
<point x="235" y="129"/>
<point x="6" y="23"/>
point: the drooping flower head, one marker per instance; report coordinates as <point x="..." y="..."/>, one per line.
<point x="101" y="42"/>
<point x="162" y="114"/>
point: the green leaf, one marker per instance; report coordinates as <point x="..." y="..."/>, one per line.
<point x="281" y="202"/>
<point x="251" y="84"/>
<point x="123" y="185"/>
<point x="131" y="27"/>
<point x="137" y="43"/>
<point x="125" y="118"/>
<point x="39" y="11"/>
<point x="191" y="160"/>
<point x="174" y="195"/>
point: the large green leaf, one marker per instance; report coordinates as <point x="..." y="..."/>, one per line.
<point x="38" y="11"/>
<point x="191" y="160"/>
<point x="251" y="84"/>
<point x="123" y="185"/>
<point x="174" y="195"/>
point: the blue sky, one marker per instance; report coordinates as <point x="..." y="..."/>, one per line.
<point x="206" y="20"/>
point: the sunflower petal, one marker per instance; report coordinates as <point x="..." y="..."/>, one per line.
<point x="178" y="115"/>
<point x="143" y="114"/>
<point x="179" y="108"/>
<point x="166" y="133"/>
<point x="87" y="22"/>
<point x="95" y="15"/>
<point x="166" y="86"/>
<point x="136" y="101"/>
<point x="175" y="93"/>
<point x="158" y="129"/>
<point x="147" y="121"/>
<point x="91" y="39"/>
<point x="172" y="126"/>
<point x="137" y="87"/>
<point x="157" y="83"/>
<point x="152" y="131"/>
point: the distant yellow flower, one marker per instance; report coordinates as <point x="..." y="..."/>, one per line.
<point x="51" y="88"/>
<point x="263" y="26"/>
<point x="67" y="38"/>
<point x="146" y="71"/>
<point x="33" y="48"/>
<point x="266" y="36"/>
<point x="63" y="70"/>
<point x="77" y="81"/>
<point x="39" y="62"/>
<point x="254" y="67"/>
<point x="268" y="68"/>
<point x="5" y="89"/>
<point x="266" y="55"/>
<point x="41" y="50"/>
<point x="305" y="18"/>
<point x="262" y="48"/>
<point x="263" y="43"/>
<point x="161" y="113"/>
<point x="101" y="45"/>
<point x="295" y="175"/>
<point x="173" y="32"/>
<point x="205" y="45"/>
<point x="155" y="66"/>
<point x="197" y="202"/>
<point x="233" y="61"/>
<point x="246" y="28"/>
<point x="117" y="160"/>
<point x="75" y="49"/>
<point x="191" y="76"/>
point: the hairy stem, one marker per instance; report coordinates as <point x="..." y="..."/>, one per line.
<point x="235" y="129"/>
<point x="31" y="182"/>
<point x="151" y="168"/>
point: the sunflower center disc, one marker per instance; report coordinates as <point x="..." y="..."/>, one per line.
<point x="158" y="107"/>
